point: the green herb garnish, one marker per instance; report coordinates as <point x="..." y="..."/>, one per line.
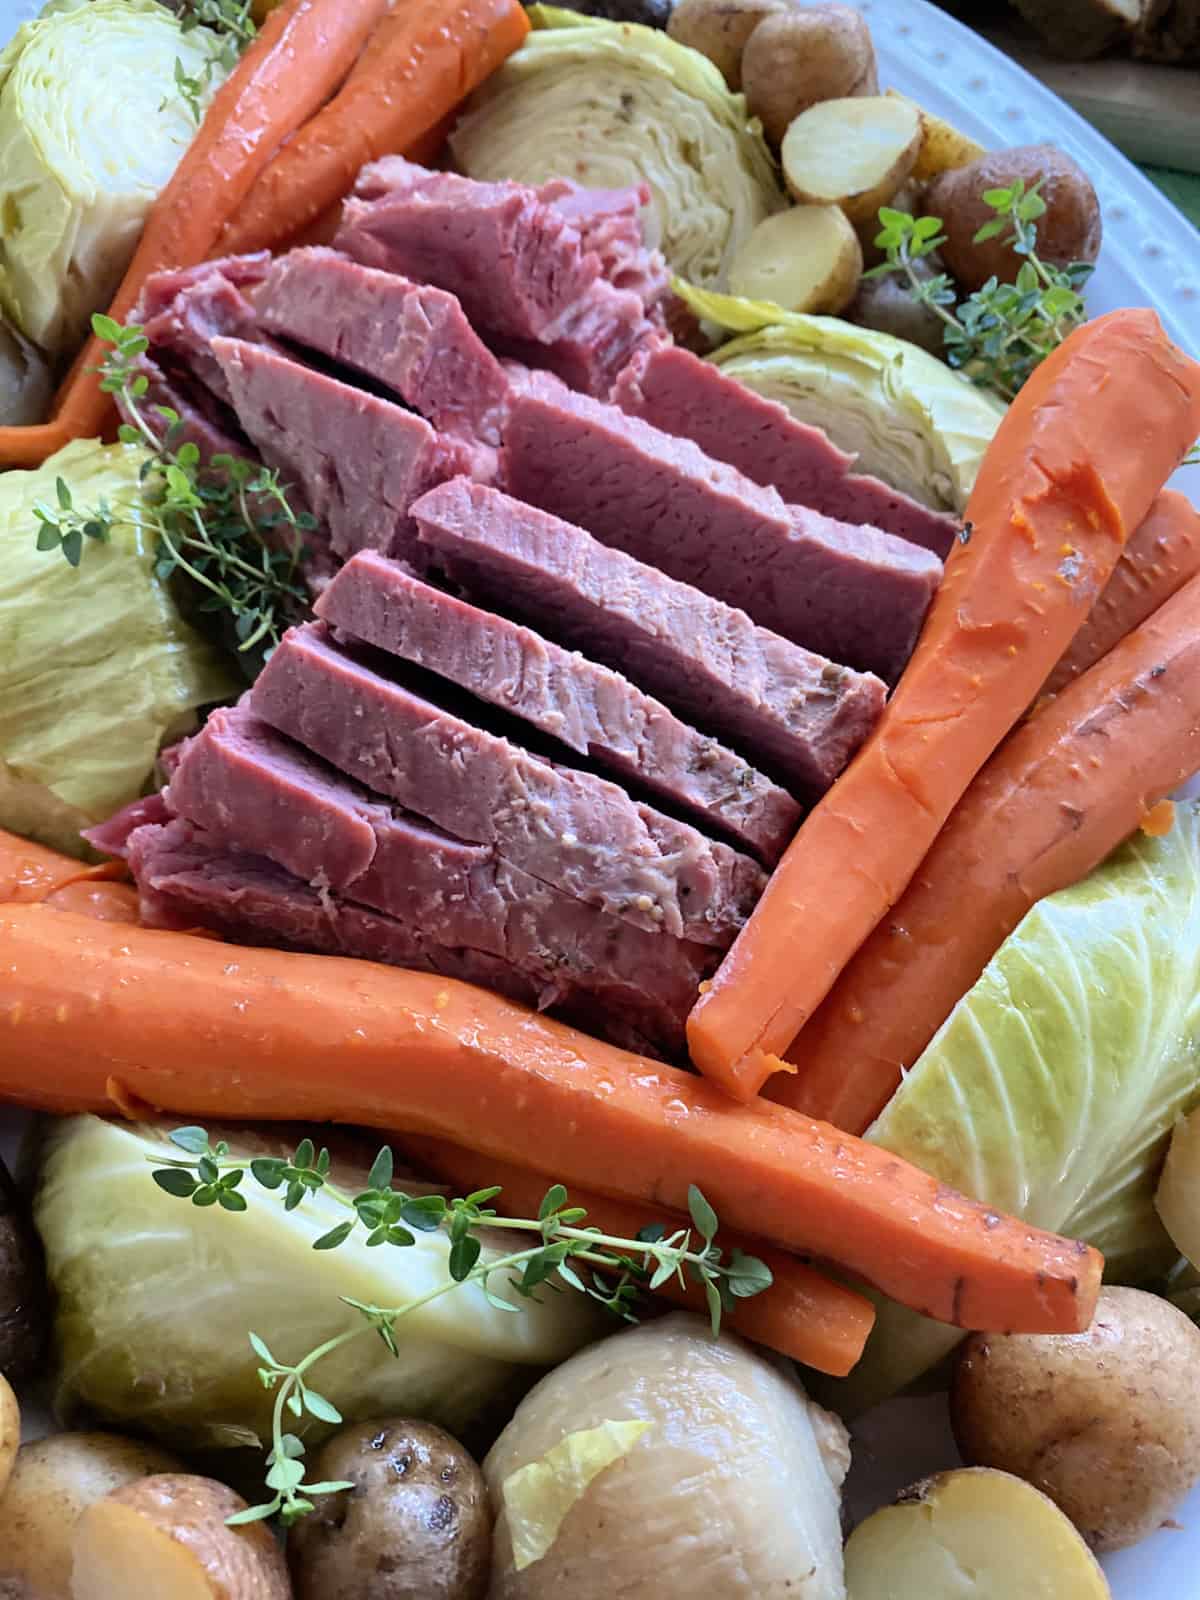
<point x="565" y="1253"/>
<point x="227" y="529"/>
<point x="999" y="334"/>
<point x="232" y="28"/>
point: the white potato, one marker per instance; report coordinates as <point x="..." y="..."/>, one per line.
<point x="802" y="55"/>
<point x="854" y="153"/>
<point x="1178" y="1197"/>
<point x="720" y="29"/>
<point x="805" y="259"/>
<point x="943" y="146"/>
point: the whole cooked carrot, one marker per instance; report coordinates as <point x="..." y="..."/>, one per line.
<point x="1162" y="554"/>
<point x="1054" y="800"/>
<point x="425" y="57"/>
<point x="30" y="872"/>
<point x="1076" y="463"/>
<point x="200" y="1029"/>
<point x="803" y="1315"/>
<point x="104" y="900"/>
<point x="303" y="52"/>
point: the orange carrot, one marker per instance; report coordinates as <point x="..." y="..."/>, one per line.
<point x="803" y="1315"/>
<point x="424" y="59"/>
<point x="303" y="52"/>
<point x="1062" y="792"/>
<point x="1076" y="463"/>
<point x="30" y="872"/>
<point x="1158" y="560"/>
<point x="200" y="1029"/>
<point x="103" y="900"/>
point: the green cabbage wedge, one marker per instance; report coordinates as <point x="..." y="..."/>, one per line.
<point x="614" y="104"/>
<point x="1052" y="1089"/>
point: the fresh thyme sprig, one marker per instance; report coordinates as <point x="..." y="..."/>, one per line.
<point x="999" y="334"/>
<point x="565" y="1250"/>
<point x="232" y="29"/>
<point x="227" y="528"/>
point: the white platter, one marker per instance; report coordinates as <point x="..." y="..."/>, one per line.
<point x="1151" y="256"/>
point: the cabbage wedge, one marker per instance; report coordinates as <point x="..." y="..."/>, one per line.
<point x="614" y="104"/>
<point x="1052" y="1089"/>
<point x="92" y="124"/>
<point x="97" y="667"/>
<point x="908" y="418"/>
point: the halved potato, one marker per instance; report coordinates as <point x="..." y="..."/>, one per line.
<point x="854" y="153"/>
<point x="943" y="146"/>
<point x="974" y="1533"/>
<point x="167" y="1536"/>
<point x="805" y="259"/>
<point x="10" y="1430"/>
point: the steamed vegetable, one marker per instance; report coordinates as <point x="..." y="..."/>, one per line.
<point x="974" y="1532"/>
<point x="53" y="1482"/>
<point x="902" y="412"/>
<point x="440" y="50"/>
<point x="26" y="381"/>
<point x="169" y="1536"/>
<point x="1054" y="1085"/>
<point x="614" y="106"/>
<point x="1178" y="1197"/>
<point x="1107" y="1422"/>
<point x="190" y="1028"/>
<point x="854" y="153"/>
<point x="1060" y="793"/>
<point x="30" y="872"/>
<point x="1076" y="464"/>
<point x="92" y="125"/>
<point x="302" y="51"/>
<point x="96" y="666"/>
<point x="416" y="1521"/>
<point x="147" y="1284"/>
<point x="735" y="1470"/>
<point x="803" y="56"/>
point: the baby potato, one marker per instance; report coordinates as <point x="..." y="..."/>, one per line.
<point x="10" y="1430"/>
<point x="971" y="1531"/>
<point x="167" y="1536"/>
<point x="1107" y="1422"/>
<point x="1178" y="1197"/>
<point x="803" y="55"/>
<point x="416" y="1526"/>
<point x="943" y="147"/>
<point x="805" y="259"/>
<point x="53" y="1481"/>
<point x="853" y="153"/>
<point x="1070" y="230"/>
<point x="888" y="305"/>
<point x="720" y="29"/>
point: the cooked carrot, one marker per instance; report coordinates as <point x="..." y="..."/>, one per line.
<point x="31" y="871"/>
<point x="1162" y="554"/>
<point x="1062" y="792"/>
<point x="103" y="900"/>
<point x="1077" y="462"/>
<point x="425" y="57"/>
<point x="203" y="1030"/>
<point x="303" y="52"/>
<point x="803" y="1315"/>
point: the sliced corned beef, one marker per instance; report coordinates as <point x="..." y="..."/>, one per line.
<point x="413" y="338"/>
<point x="852" y="593"/>
<point x="528" y="265"/>
<point x="161" y="288"/>
<point x="203" y="419"/>
<point x="183" y="309"/>
<point x="578" y="832"/>
<point x="251" y="789"/>
<point x="589" y="708"/>
<point x="682" y="395"/>
<point x="793" y="712"/>
<point x="359" y="461"/>
<point x="185" y="879"/>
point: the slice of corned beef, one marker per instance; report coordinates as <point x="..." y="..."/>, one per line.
<point x="852" y="593"/>
<point x="251" y="789"/>
<point x="682" y="395"/>
<point x="588" y="707"/>
<point x="793" y="712"/>
<point x="185" y="880"/>
<point x="527" y="265"/>
<point x="183" y="309"/>
<point x="412" y="337"/>
<point x="580" y="833"/>
<point x="359" y="461"/>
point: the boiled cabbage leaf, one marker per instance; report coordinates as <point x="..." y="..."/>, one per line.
<point x="156" y="1298"/>
<point x="1052" y="1089"/>
<point x="614" y="104"/>
<point x="908" y="418"/>
<point x="97" y="668"/>
<point x="92" y="125"/>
